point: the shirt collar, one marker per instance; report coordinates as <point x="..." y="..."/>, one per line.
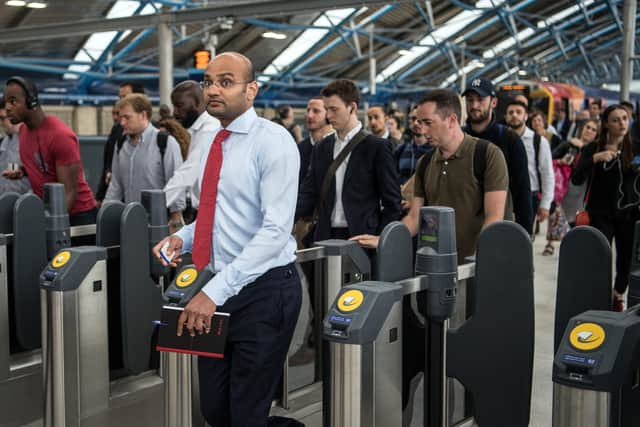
<point x="242" y="124"/>
<point x="314" y="142"/>
<point x="145" y="134"/>
<point x="528" y="133"/>
<point x="199" y="121"/>
<point x="460" y="152"/>
<point x="351" y="134"/>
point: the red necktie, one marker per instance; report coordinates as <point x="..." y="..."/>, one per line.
<point x="201" y="252"/>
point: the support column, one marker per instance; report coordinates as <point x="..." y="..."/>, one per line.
<point x="372" y="63"/>
<point x="165" y="59"/>
<point x="630" y="8"/>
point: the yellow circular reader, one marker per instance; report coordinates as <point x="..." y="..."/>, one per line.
<point x="61" y="259"/>
<point x="350" y="300"/>
<point x="587" y="336"/>
<point x="186" y="277"/>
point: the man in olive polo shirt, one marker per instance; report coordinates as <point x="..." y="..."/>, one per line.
<point x="449" y="177"/>
<point x="448" y="180"/>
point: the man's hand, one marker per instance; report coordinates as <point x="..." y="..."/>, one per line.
<point x="13" y="174"/>
<point x="176" y="222"/>
<point x="366" y="240"/>
<point x="543" y="214"/>
<point x="197" y="315"/>
<point x="175" y="248"/>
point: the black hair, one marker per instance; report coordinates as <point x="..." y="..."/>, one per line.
<point x="345" y="89"/>
<point x="136" y="87"/>
<point x="513" y="101"/>
<point x="447" y="102"/>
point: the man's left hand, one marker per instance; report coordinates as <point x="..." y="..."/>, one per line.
<point x="197" y="315"/>
<point x="543" y="214"/>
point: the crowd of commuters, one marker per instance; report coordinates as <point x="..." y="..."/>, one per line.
<point x="344" y="179"/>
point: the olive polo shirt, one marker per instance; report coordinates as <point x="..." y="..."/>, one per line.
<point x="451" y="182"/>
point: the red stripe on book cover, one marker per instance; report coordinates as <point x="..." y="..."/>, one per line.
<point x="192" y="352"/>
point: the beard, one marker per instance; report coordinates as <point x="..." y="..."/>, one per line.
<point x="515" y="124"/>
<point x="191" y="117"/>
<point x="484" y="115"/>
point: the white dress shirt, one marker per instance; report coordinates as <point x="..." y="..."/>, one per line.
<point x="545" y="167"/>
<point x="185" y="178"/>
<point x="255" y="205"/>
<point x="338" y="218"/>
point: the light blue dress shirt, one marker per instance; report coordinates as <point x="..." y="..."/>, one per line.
<point x="255" y="205"/>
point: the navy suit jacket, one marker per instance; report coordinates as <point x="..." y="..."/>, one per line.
<point x="370" y="193"/>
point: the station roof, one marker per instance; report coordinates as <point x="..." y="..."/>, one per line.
<point x="88" y="47"/>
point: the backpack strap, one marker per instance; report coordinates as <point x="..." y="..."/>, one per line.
<point x="480" y="161"/>
<point x="161" y="140"/>
<point x="536" y="154"/>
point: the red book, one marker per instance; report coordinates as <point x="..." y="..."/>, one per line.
<point x="207" y="345"/>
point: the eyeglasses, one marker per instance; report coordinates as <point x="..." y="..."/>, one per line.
<point x="221" y="84"/>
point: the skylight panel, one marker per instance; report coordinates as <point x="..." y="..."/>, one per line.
<point x="305" y="41"/>
<point x="98" y="42"/>
<point x="454" y="25"/>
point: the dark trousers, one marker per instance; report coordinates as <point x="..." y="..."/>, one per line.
<point x="622" y="229"/>
<point x="237" y="391"/>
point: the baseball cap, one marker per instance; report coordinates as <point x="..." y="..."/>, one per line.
<point x="482" y="87"/>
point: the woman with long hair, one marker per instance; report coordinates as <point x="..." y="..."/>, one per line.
<point x="568" y="153"/>
<point x="567" y="197"/>
<point x="613" y="190"/>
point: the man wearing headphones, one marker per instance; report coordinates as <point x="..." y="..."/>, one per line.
<point x="49" y="151"/>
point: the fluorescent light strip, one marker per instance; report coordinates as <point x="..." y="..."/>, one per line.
<point x="305" y="41"/>
<point x="36" y="5"/>
<point x="17" y="3"/>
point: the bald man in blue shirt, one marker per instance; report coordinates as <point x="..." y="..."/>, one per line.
<point x="252" y="251"/>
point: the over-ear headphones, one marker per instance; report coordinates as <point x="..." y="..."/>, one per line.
<point x="29" y="89"/>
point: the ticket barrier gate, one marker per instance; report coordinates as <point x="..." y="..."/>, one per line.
<point x="633" y="295"/>
<point x="177" y="368"/>
<point x="597" y="362"/>
<point x="365" y="329"/>
<point x="132" y="302"/>
<point x="25" y="235"/>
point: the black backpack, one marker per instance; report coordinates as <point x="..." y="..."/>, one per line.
<point x="479" y="162"/>
<point x="161" y="139"/>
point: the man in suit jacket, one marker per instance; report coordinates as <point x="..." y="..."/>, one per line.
<point x="364" y="195"/>
<point x="318" y="127"/>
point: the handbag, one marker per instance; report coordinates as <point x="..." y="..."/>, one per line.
<point x="582" y="216"/>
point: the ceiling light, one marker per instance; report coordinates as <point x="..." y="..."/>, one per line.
<point x="405" y="52"/>
<point x="272" y="35"/>
<point x="36" y="5"/>
<point x="522" y="72"/>
<point x="15" y="3"/>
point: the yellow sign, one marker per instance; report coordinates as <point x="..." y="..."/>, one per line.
<point x="186" y="277"/>
<point x="61" y="259"/>
<point x="587" y="336"/>
<point x="350" y="300"/>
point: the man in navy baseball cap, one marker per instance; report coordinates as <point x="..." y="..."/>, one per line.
<point x="482" y="87"/>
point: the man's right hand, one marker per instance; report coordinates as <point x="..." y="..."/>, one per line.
<point x="175" y="248"/>
<point x="13" y="174"/>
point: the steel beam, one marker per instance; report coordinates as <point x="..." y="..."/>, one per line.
<point x="238" y="9"/>
<point x="630" y="9"/>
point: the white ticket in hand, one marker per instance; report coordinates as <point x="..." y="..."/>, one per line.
<point x="163" y="253"/>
